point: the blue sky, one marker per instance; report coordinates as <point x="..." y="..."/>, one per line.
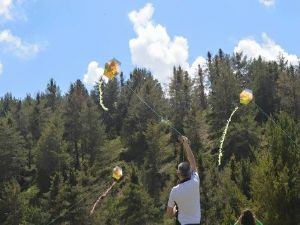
<point x="66" y="39"/>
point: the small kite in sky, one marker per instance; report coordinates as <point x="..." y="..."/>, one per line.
<point x="117" y="173"/>
<point x="111" y="69"/>
<point x="246" y="96"/>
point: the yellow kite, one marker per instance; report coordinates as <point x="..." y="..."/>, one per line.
<point x="117" y="173"/>
<point x="246" y="97"/>
<point x="112" y="68"/>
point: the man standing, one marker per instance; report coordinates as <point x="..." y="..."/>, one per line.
<point x="184" y="200"/>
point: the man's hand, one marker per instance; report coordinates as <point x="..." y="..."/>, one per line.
<point x="183" y="139"/>
<point x="188" y="151"/>
<point x="171" y="212"/>
<point x="238" y="221"/>
<point x="174" y="210"/>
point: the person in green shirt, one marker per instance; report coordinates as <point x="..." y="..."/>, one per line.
<point x="247" y="218"/>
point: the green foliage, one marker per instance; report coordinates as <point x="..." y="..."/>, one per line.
<point x="93" y="133"/>
<point x="180" y="99"/>
<point x="52" y="95"/>
<point x="65" y="204"/>
<point x="11" y="151"/>
<point x="138" y="114"/>
<point x="242" y="136"/>
<point x="223" y="83"/>
<point x="264" y="87"/>
<point x="199" y="97"/>
<point x="275" y="184"/>
<point x="51" y="155"/>
<point x="157" y="145"/>
<point x="111" y="118"/>
<point x="57" y="151"/>
<point x="76" y="102"/>
<point x="221" y="197"/>
<point x="33" y="211"/>
<point x="136" y="199"/>
<point x="10" y="204"/>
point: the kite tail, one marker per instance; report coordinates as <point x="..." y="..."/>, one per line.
<point x="102" y="196"/>
<point x="224" y="134"/>
<point x="101" y="95"/>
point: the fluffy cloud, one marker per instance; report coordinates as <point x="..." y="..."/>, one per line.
<point x="267" y="2"/>
<point x="93" y="74"/>
<point x="12" y="9"/>
<point x="6" y="8"/>
<point x="268" y="49"/>
<point x="194" y="67"/>
<point x="153" y="48"/>
<point x="17" y="46"/>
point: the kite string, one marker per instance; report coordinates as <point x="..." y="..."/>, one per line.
<point x="278" y="126"/>
<point x="225" y="131"/>
<point x="224" y="134"/>
<point x="157" y="114"/>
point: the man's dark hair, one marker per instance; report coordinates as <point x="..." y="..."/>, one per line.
<point x="247" y="218"/>
<point x="184" y="169"/>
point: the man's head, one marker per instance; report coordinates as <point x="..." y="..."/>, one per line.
<point x="184" y="170"/>
<point x="247" y="218"/>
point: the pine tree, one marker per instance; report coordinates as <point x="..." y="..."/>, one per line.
<point x="66" y="206"/>
<point x="111" y="94"/>
<point x="23" y="126"/>
<point x="243" y="135"/>
<point x="76" y="102"/>
<point x="221" y="199"/>
<point x="7" y="104"/>
<point x="51" y="153"/>
<point x="264" y="82"/>
<point x="199" y="90"/>
<point x="152" y="177"/>
<point x="11" y="151"/>
<point x="240" y="69"/>
<point x="224" y="92"/>
<point x="275" y="183"/>
<point x="52" y="95"/>
<point x="180" y="98"/>
<point x="10" y="204"/>
<point x="289" y="91"/>
<point x="148" y="92"/>
<point x="35" y="120"/>
<point x="135" y="206"/>
<point x="93" y="132"/>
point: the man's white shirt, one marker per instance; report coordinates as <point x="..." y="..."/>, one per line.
<point x="187" y="198"/>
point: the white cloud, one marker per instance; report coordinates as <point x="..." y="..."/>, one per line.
<point x="93" y="74"/>
<point x="194" y="67"/>
<point x="17" y="46"/>
<point x="12" y="9"/>
<point x="268" y="49"/>
<point x="6" y="9"/>
<point x="267" y="2"/>
<point x="153" y="48"/>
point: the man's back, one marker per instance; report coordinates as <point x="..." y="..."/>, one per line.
<point x="187" y="198"/>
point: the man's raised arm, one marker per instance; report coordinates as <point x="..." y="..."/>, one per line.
<point x="188" y="152"/>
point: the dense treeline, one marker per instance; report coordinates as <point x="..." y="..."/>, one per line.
<point x="57" y="151"/>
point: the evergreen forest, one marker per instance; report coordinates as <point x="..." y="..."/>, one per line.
<point x="57" y="150"/>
